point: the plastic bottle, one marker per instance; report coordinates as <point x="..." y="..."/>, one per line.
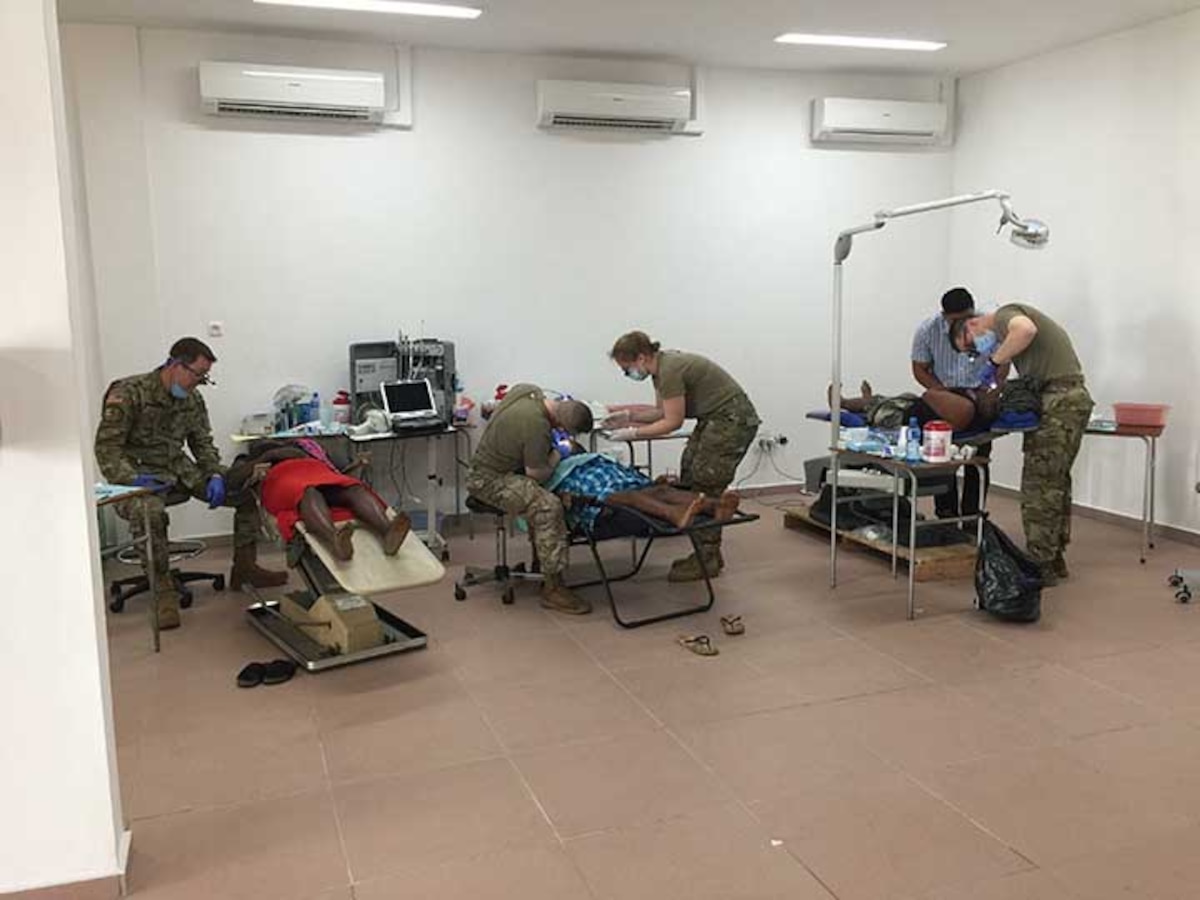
<point x="901" y="451"/>
<point x="912" y="444"/>
<point x="314" y="408"/>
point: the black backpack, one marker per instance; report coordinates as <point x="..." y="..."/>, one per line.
<point x="1008" y="583"/>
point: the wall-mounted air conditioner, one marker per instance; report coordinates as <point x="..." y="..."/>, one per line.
<point x="628" y="107"/>
<point x="846" y="120"/>
<point x="249" y="89"/>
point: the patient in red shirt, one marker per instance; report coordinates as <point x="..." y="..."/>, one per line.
<point x="300" y="483"/>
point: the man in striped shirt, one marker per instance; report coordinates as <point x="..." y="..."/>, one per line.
<point x="937" y="363"/>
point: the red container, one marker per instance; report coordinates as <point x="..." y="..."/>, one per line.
<point x="1141" y="415"/>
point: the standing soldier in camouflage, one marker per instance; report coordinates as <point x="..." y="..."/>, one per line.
<point x="146" y="422"/>
<point x="517" y="452"/>
<point x="689" y="386"/>
<point x="1040" y="349"/>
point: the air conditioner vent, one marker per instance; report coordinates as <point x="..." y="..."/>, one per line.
<point x="237" y="108"/>
<point x="562" y="120"/>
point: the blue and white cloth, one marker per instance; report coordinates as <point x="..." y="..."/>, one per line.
<point x="593" y="475"/>
<point x="932" y="345"/>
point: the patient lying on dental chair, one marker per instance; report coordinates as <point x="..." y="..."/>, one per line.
<point x="299" y="482"/>
<point x="597" y="481"/>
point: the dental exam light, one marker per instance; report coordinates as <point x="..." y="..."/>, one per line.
<point x="1030" y="234"/>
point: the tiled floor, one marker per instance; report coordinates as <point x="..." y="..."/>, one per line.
<point x="833" y="751"/>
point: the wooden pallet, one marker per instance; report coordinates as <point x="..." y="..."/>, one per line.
<point x="932" y="563"/>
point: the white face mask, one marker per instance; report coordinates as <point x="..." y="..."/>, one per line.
<point x="636" y="374"/>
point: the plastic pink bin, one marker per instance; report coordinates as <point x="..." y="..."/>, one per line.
<point x="1143" y="415"/>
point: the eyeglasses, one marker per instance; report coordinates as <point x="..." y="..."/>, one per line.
<point x="201" y="377"/>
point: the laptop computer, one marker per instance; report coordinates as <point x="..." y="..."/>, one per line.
<point x="410" y="404"/>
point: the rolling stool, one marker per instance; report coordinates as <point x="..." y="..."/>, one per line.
<point x="501" y="574"/>
<point x="122" y="589"/>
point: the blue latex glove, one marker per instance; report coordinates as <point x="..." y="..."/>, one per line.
<point x="215" y="492"/>
<point x="987" y="375"/>
<point x="562" y="442"/>
<point x="151" y="482"/>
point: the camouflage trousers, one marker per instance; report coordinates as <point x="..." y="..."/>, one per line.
<point x="246" y="521"/>
<point x="518" y="495"/>
<point x="1046" y="476"/>
<point x="713" y="452"/>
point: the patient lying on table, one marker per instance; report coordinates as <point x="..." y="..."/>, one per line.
<point x="597" y="477"/>
<point x="965" y="409"/>
<point x="300" y="483"/>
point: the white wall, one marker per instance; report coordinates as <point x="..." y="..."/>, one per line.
<point x="1101" y="140"/>
<point x="61" y="818"/>
<point x="532" y="251"/>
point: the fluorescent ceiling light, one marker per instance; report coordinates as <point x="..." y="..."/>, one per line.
<point x="867" y="43"/>
<point x="397" y="7"/>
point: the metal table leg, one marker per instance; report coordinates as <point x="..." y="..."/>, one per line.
<point x="912" y="545"/>
<point x="833" y="519"/>
<point x="1147" y="494"/>
<point x="1153" y="485"/>
<point x="895" y="518"/>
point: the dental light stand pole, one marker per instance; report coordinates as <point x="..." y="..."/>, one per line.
<point x="1029" y="233"/>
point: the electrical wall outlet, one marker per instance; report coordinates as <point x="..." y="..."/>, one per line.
<point x="771" y="440"/>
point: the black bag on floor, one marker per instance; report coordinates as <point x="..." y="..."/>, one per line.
<point x="1007" y="582"/>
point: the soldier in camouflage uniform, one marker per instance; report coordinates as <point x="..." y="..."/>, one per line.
<point x="516" y="453"/>
<point x="1040" y="349"/>
<point x="145" y="424"/>
<point x="689" y="386"/>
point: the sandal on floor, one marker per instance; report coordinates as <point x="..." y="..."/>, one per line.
<point x="278" y="671"/>
<point x="700" y="644"/>
<point x="733" y="625"/>
<point x="252" y="675"/>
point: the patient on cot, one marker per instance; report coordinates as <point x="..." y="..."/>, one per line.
<point x="300" y="483"/>
<point x="596" y="480"/>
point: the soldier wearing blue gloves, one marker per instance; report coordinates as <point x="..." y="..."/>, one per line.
<point x="146" y="424"/>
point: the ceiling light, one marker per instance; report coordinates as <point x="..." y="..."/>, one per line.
<point x="397" y="7"/>
<point x="867" y="43"/>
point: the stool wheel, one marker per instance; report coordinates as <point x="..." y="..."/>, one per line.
<point x="1175" y="580"/>
<point x="509" y="597"/>
<point x="185" y="599"/>
<point x="460" y="593"/>
<point x="117" y="604"/>
<point x="219" y="583"/>
<point x="1183" y="595"/>
<point x="445" y="554"/>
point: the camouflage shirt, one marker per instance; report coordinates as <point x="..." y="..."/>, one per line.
<point x="144" y="430"/>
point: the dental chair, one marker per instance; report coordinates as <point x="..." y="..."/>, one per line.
<point x="333" y="621"/>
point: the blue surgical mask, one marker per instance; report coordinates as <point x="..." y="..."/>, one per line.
<point x="178" y="392"/>
<point x="637" y="374"/>
<point x="986" y="343"/>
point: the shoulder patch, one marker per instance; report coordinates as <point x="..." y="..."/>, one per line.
<point x="114" y="396"/>
<point x="113" y="411"/>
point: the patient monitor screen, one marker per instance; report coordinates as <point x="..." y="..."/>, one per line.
<point x="408" y="397"/>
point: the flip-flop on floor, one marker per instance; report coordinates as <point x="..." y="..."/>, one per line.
<point x="700" y="644"/>
<point x="733" y="625"/>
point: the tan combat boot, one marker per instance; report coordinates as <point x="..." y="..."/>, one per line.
<point x="167" y="601"/>
<point x="689" y="568"/>
<point x="247" y="572"/>
<point x="556" y="596"/>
